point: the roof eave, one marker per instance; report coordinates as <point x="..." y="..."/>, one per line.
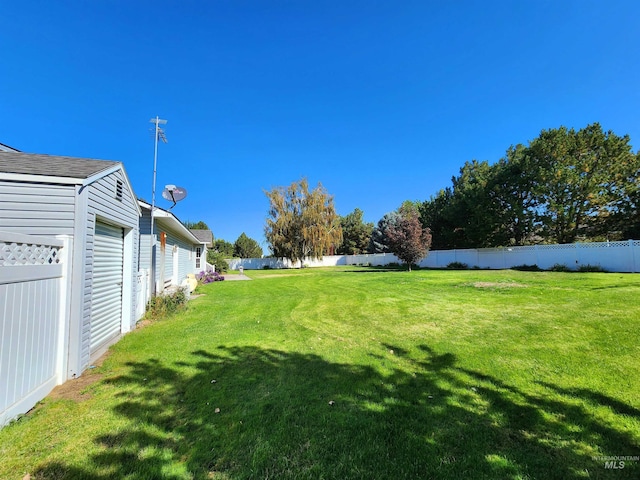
<point x="170" y="219"/>
<point x="28" y="177"/>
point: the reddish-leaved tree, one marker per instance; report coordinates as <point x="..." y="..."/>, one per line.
<point x="408" y="239"/>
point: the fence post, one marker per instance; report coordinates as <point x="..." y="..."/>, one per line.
<point x="64" y="309"/>
<point x="633" y="256"/>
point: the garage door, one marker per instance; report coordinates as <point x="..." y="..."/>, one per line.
<point x="106" y="296"/>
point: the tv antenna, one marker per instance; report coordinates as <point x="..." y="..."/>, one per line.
<point x="159" y="135"/>
<point x="173" y="194"/>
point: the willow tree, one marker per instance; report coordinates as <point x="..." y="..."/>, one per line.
<point x="301" y="223"/>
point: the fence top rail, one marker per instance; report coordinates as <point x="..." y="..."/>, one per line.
<point x="12" y="237"/>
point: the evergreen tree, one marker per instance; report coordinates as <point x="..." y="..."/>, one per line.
<point x="245" y="247"/>
<point x="356" y="234"/>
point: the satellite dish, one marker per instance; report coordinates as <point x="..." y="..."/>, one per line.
<point x="173" y="194"/>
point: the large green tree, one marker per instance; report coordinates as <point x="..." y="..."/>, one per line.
<point x="474" y="209"/>
<point x="580" y="180"/>
<point x="223" y="247"/>
<point x="302" y="223"/>
<point x="467" y="214"/>
<point x="200" y="225"/>
<point x="514" y="213"/>
<point x="355" y="234"/>
<point x="436" y="214"/>
<point x="625" y="217"/>
<point x="563" y="186"/>
<point x="379" y="242"/>
<point x="246" y="247"/>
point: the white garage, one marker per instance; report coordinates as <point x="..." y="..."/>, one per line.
<point x="69" y="237"/>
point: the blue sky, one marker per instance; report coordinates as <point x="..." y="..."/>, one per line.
<point x="381" y="101"/>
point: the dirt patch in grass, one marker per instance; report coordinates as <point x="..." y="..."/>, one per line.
<point x="77" y="388"/>
<point x="498" y="285"/>
<point x="143" y="323"/>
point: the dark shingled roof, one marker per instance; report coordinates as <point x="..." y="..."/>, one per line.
<point x="51" y="165"/>
<point x="205" y="236"/>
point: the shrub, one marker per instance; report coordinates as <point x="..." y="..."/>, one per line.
<point x="164" y="305"/>
<point x="218" y="260"/>
<point x="208" y="277"/>
<point x="266" y="267"/>
<point x="457" y="266"/>
<point x="590" y="268"/>
<point x="527" y="268"/>
<point x="560" y="267"/>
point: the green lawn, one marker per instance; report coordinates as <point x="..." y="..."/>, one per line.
<point x="349" y="373"/>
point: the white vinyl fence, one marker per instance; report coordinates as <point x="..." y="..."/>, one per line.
<point x="143" y="292"/>
<point x="32" y="312"/>
<point x="611" y="256"/>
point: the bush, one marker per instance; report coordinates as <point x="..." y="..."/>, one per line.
<point x="591" y="268"/>
<point x="457" y="266"/>
<point x="161" y="306"/>
<point x="560" y="267"/>
<point x="266" y="267"/>
<point x="217" y="259"/>
<point x="527" y="268"/>
<point x="208" y="277"/>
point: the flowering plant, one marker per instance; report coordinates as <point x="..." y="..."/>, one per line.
<point x="208" y="277"/>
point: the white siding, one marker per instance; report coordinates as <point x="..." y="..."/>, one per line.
<point x="185" y="264"/>
<point x="37" y="209"/>
<point x="102" y="203"/>
<point x="186" y="249"/>
<point x="145" y="255"/>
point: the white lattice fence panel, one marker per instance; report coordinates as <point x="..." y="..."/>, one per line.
<point x="16" y="253"/>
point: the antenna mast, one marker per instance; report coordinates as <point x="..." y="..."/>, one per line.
<point x="159" y="134"/>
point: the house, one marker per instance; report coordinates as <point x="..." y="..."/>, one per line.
<point x="69" y="239"/>
<point x="174" y="247"/>
<point x="206" y="244"/>
<point x="7" y="148"/>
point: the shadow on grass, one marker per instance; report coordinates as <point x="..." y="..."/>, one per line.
<point x="245" y="412"/>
